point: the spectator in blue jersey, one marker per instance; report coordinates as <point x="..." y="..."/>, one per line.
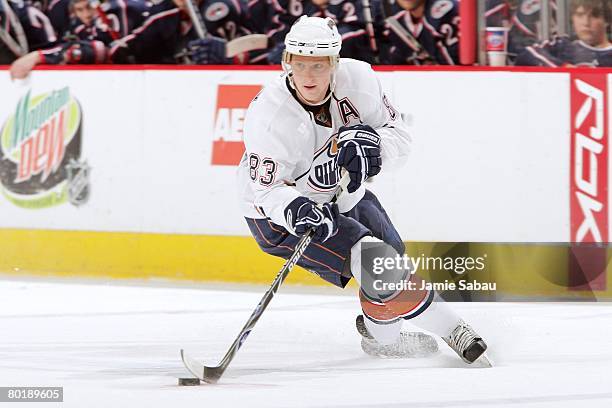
<point x="591" y="47"/>
<point x="434" y="24"/>
<point x="361" y="25"/>
<point x="526" y="27"/>
<point x="85" y="40"/>
<point x="497" y="13"/>
<point x="161" y="38"/>
<point x="22" y="28"/>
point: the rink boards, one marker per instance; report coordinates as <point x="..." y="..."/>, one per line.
<point x="144" y="185"/>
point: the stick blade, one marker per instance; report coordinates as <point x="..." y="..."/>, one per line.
<point x="207" y="374"/>
<point x="246" y="43"/>
<point x="192" y="365"/>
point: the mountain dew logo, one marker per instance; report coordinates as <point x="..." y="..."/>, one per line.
<point x="39" y="148"/>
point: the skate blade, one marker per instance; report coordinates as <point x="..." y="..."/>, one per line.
<point x="485" y="361"/>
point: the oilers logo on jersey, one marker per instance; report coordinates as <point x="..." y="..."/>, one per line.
<point x="325" y="174"/>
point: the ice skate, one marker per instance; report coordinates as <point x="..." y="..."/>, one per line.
<point x="409" y="344"/>
<point x="466" y="343"/>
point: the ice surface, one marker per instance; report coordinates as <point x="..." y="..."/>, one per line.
<point x="118" y="346"/>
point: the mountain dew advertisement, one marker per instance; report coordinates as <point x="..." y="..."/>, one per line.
<point x="40" y="148"/>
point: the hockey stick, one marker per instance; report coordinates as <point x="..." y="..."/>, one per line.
<point x="405" y="35"/>
<point x="212" y="374"/>
<point x="232" y="48"/>
<point x="367" y="15"/>
<point x="196" y="18"/>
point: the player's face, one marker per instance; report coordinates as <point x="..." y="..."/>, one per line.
<point x="311" y="77"/>
<point x="410" y="4"/>
<point x="589" y="29"/>
<point x="84" y="12"/>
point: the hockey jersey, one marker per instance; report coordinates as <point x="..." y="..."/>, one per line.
<point x="291" y="150"/>
<point x="526" y="25"/>
<point x="436" y="31"/>
<point x="36" y="26"/>
<point x="168" y="29"/>
<point x="497" y="13"/>
<point x="562" y="50"/>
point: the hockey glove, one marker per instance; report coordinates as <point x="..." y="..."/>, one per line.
<point x="86" y="52"/>
<point x="76" y="52"/>
<point x="359" y="153"/>
<point x="209" y="50"/>
<point x="302" y="214"/>
<point x="275" y="55"/>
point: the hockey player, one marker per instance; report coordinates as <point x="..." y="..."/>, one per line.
<point x="325" y="113"/>
<point x="591" y="22"/>
<point x="434" y="24"/>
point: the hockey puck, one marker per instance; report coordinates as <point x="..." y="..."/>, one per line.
<point x="189" y="381"/>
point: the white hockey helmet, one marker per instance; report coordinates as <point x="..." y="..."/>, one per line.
<point x="314" y="37"/>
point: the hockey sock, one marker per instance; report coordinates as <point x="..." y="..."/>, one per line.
<point x="417" y="306"/>
<point x="384" y="332"/>
<point x="439" y="318"/>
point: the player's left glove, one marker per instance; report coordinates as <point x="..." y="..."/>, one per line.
<point x="359" y="153"/>
<point x="209" y="50"/>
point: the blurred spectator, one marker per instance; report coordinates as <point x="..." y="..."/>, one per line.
<point x="91" y="29"/>
<point x="119" y="16"/>
<point x="361" y="25"/>
<point x="415" y="32"/>
<point x="225" y="20"/>
<point x="84" y="24"/>
<point x="497" y="13"/>
<point x="358" y="32"/>
<point x="10" y="43"/>
<point x="58" y="12"/>
<point x="25" y="26"/>
<point x="526" y="25"/>
<point x="433" y="24"/>
<point x="258" y="13"/>
<point x="591" y="22"/>
<point x="161" y="39"/>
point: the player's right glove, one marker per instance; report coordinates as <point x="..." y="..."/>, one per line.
<point x="359" y="153"/>
<point x="302" y="214"/>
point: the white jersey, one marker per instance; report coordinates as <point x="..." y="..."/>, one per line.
<point x="291" y="152"/>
